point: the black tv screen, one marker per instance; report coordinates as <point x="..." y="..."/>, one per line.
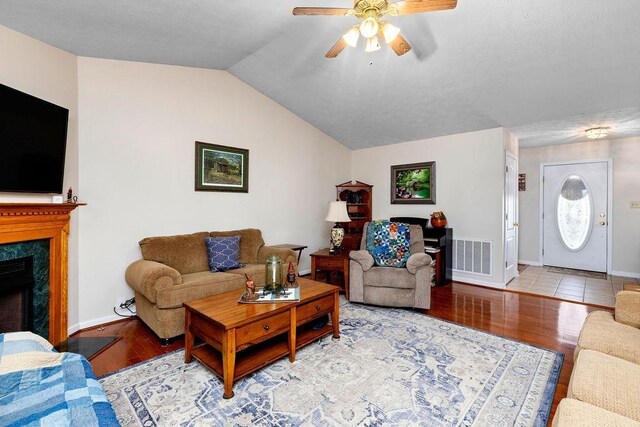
<point x="33" y="140"/>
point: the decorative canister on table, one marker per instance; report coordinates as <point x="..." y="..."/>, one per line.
<point x="273" y="274"/>
<point x="438" y="220"/>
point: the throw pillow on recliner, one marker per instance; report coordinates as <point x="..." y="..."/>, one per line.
<point x="389" y="243"/>
<point x="223" y="253"/>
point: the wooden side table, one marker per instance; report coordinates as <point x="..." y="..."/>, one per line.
<point x="323" y="260"/>
<point x="293" y="247"/>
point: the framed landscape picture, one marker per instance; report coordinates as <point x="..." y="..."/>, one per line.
<point x="221" y="168"/>
<point x="414" y="183"/>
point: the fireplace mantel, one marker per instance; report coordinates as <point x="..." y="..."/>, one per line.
<point x="20" y="222"/>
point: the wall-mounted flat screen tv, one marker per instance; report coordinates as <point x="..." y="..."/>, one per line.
<point x="33" y="140"/>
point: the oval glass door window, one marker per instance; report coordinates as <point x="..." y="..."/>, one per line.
<point x="574" y="212"/>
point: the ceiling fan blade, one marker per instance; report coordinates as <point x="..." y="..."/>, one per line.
<point x="336" y="49"/>
<point x="400" y="45"/>
<point x="322" y="11"/>
<point x="419" y="6"/>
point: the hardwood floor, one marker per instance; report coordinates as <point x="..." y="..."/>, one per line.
<point x="545" y="322"/>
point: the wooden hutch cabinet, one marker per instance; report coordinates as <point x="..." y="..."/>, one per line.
<point x="358" y="196"/>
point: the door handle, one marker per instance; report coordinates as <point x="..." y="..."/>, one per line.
<point x="602" y="223"/>
<point x="515" y="224"/>
<point x="602" y="215"/>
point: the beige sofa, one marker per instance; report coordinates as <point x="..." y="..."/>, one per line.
<point x="605" y="382"/>
<point x="388" y="286"/>
<point x="175" y="269"/>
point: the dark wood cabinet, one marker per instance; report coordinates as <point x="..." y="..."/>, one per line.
<point x="440" y="240"/>
<point x="358" y="196"/>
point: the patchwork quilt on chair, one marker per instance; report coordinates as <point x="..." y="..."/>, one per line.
<point x="41" y="387"/>
<point x="389" y="243"/>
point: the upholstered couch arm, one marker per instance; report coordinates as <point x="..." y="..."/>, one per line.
<point x="418" y="261"/>
<point x="363" y="258"/>
<point x="628" y="308"/>
<point x="149" y="277"/>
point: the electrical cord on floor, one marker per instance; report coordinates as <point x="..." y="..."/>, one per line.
<point x="126" y="306"/>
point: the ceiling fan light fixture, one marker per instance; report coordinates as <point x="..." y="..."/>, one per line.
<point x="389" y="32"/>
<point x="372" y="44"/>
<point x="369" y="27"/>
<point x="351" y="36"/>
<point x="597" y="132"/>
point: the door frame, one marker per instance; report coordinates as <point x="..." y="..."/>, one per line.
<point x="609" y="162"/>
<point x="516" y="216"/>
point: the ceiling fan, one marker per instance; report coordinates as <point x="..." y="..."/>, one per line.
<point x="370" y="12"/>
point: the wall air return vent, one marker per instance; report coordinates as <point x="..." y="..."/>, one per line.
<point x="472" y="256"/>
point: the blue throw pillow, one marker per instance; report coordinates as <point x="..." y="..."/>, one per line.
<point x="223" y="253"/>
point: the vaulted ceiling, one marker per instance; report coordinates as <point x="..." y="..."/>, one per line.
<point x="544" y="69"/>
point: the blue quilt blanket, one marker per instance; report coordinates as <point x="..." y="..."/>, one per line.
<point x="389" y="243"/>
<point x="62" y="392"/>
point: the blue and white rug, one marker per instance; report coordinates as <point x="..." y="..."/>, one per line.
<point x="390" y="367"/>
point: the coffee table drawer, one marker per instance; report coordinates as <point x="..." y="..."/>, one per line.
<point x="310" y="309"/>
<point x="261" y="329"/>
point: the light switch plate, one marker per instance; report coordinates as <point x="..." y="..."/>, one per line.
<point x="634" y="205"/>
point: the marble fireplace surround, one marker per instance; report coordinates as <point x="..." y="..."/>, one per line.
<point x="20" y="222"/>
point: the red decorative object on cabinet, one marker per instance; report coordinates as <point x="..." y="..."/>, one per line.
<point x="438" y="220"/>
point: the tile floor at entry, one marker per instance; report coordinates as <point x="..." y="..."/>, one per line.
<point x="539" y="281"/>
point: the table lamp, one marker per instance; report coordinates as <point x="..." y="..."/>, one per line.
<point x="337" y="214"/>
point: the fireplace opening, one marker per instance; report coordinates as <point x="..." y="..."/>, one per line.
<point x="16" y="294"/>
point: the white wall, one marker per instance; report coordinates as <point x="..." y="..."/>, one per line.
<point x="469" y="186"/>
<point x="138" y="127"/>
<point x="49" y="73"/>
<point x="625" y="222"/>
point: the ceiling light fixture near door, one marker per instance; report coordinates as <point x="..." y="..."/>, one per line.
<point x="370" y="12"/>
<point x="597" y="133"/>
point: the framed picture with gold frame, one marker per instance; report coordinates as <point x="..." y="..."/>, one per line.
<point x="221" y="168"/>
<point x="413" y="183"/>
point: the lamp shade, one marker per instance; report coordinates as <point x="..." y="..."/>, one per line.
<point x="351" y="36"/>
<point x="372" y="44"/>
<point x="369" y="27"/>
<point x="337" y="212"/>
<point x="389" y="32"/>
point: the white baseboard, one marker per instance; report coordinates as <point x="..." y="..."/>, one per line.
<point x="94" y="322"/>
<point x="466" y="279"/>
<point x="304" y="272"/>
<point x="532" y="263"/>
<point x="625" y="274"/>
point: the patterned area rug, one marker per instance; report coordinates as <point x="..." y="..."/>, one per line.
<point x="390" y="367"/>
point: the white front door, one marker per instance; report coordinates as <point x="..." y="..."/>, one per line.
<point x="575" y="216"/>
<point x="511" y="218"/>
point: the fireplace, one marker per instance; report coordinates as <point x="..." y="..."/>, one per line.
<point x="16" y="294"/>
<point x="48" y="223"/>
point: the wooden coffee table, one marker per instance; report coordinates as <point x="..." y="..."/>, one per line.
<point x="242" y="338"/>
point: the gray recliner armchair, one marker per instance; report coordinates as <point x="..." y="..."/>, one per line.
<point x="389" y="286"/>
